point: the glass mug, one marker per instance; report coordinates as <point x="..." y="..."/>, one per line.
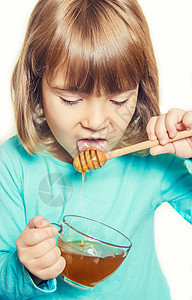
<point x="91" y="249"/>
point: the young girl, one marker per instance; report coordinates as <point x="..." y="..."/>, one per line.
<point x="86" y="75"/>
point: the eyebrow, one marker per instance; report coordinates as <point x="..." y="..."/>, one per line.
<point x="64" y="89"/>
<point x="60" y="88"/>
<point x="76" y="90"/>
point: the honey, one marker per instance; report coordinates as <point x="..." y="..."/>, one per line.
<point x="89" y="263"/>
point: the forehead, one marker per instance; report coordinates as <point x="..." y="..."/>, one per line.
<point x="58" y="83"/>
<point x="90" y="84"/>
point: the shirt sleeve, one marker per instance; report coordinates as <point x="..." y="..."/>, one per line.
<point x="176" y="187"/>
<point x="15" y="281"/>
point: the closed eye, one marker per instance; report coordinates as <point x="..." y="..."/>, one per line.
<point x="117" y="103"/>
<point x="68" y="102"/>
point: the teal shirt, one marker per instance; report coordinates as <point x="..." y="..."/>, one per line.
<point x="123" y="194"/>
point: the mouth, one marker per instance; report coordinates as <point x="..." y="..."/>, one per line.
<point x="100" y="144"/>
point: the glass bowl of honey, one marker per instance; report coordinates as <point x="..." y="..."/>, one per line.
<point x="92" y="251"/>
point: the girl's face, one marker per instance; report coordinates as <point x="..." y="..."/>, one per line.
<point x="79" y="120"/>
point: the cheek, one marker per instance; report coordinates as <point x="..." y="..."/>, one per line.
<point x="57" y="117"/>
<point x="53" y="118"/>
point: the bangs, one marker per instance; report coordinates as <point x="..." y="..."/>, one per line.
<point x="96" y="50"/>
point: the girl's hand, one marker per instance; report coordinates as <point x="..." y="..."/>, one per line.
<point x="37" y="250"/>
<point x="166" y="126"/>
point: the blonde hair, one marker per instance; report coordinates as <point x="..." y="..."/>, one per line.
<point x="101" y="44"/>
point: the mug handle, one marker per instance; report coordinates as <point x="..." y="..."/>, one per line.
<point x="60" y="227"/>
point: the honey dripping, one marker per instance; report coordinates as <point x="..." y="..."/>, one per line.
<point x="83" y="181"/>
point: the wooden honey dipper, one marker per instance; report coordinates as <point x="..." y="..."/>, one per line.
<point x="92" y="158"/>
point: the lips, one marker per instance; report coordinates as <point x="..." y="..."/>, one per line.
<point x="100" y="144"/>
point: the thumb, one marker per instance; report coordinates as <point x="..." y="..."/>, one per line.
<point x="38" y="222"/>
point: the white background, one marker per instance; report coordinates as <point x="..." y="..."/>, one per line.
<point x="170" y="23"/>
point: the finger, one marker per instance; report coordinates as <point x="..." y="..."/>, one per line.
<point x="53" y="271"/>
<point x="173" y="121"/>
<point x="40" y="249"/>
<point x="187" y="120"/>
<point x="35" y="236"/>
<point x="161" y="130"/>
<point x="38" y="222"/>
<point x="151" y="128"/>
<point x="48" y="259"/>
<point x="168" y="148"/>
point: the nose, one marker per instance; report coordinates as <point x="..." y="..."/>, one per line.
<point x="96" y="117"/>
